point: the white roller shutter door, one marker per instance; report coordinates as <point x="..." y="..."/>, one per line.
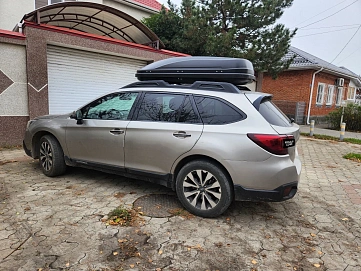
<point x="76" y="77"/>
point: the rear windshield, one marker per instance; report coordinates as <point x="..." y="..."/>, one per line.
<point x="273" y="114"/>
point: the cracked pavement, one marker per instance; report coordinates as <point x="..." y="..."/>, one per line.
<point x="56" y="223"/>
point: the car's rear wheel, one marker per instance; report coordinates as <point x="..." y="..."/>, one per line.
<point x="51" y="156"/>
<point x="204" y="188"/>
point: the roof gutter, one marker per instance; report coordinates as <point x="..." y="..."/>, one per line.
<point x="311" y="92"/>
<point x="336" y="73"/>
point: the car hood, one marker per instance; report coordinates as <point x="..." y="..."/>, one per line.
<point x="63" y="116"/>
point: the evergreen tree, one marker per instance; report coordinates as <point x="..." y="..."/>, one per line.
<point x="234" y="28"/>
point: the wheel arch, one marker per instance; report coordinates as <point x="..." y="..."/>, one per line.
<point x="194" y="157"/>
<point x="36" y="142"/>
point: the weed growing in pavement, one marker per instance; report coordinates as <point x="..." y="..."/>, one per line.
<point x="353" y="156"/>
<point x="181" y="212"/>
<point x="122" y="217"/>
<point x="326" y="137"/>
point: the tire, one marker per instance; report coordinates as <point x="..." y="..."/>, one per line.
<point x="51" y="156"/>
<point x="204" y="188"/>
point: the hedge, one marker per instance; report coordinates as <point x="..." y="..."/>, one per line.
<point x="351" y="116"/>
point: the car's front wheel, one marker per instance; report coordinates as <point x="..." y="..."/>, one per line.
<point x="204" y="188"/>
<point x="51" y="156"/>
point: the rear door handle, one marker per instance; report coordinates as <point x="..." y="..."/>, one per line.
<point x="181" y="134"/>
<point x="116" y="131"/>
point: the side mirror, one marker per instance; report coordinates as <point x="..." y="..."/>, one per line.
<point x="292" y="120"/>
<point x="79" y="117"/>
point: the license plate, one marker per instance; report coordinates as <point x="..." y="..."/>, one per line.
<point x="289" y="143"/>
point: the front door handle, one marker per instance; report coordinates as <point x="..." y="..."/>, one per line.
<point x="181" y="134"/>
<point x="116" y="131"/>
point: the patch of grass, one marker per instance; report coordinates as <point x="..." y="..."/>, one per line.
<point x="122" y="217"/>
<point x="326" y="137"/>
<point x="353" y="140"/>
<point x="353" y="156"/>
<point x="181" y="212"/>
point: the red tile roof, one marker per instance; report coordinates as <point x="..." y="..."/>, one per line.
<point x="154" y="4"/>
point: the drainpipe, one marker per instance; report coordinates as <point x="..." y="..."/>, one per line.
<point x="311" y="92"/>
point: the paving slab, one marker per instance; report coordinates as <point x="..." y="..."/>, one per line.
<point x="58" y="223"/>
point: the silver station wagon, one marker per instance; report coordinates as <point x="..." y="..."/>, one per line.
<point x="189" y="124"/>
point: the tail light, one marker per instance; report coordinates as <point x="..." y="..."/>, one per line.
<point x="276" y="144"/>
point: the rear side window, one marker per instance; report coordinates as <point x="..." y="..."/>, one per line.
<point x="215" y="111"/>
<point x="167" y="107"/>
<point x="273" y="114"/>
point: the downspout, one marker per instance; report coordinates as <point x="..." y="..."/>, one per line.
<point x="311" y="92"/>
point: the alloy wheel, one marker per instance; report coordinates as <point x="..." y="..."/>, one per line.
<point x="46" y="156"/>
<point x="202" y="189"/>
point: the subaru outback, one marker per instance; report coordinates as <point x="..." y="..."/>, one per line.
<point x="210" y="141"/>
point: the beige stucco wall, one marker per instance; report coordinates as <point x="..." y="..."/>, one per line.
<point x="14" y="99"/>
<point x="12" y="11"/>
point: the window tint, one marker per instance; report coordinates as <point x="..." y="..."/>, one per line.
<point x="160" y="107"/>
<point x="187" y="113"/>
<point x="273" y="114"/>
<point x="214" y="111"/>
<point x="115" y="106"/>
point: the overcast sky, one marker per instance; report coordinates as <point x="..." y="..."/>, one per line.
<point x="326" y="38"/>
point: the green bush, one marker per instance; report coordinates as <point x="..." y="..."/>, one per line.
<point x="351" y="116"/>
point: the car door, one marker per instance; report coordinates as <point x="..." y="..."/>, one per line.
<point x="165" y="127"/>
<point x="100" y="138"/>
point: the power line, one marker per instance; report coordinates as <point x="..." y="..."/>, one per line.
<point x="335" y="26"/>
<point x="348" y="55"/>
<point x="330" y="15"/>
<point x="322" y="12"/>
<point x="347" y="43"/>
<point x="314" y="34"/>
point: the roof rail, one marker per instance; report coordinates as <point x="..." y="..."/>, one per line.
<point x="200" y="85"/>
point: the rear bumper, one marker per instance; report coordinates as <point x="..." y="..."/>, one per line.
<point x="281" y="193"/>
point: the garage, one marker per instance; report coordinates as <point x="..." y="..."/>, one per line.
<point x="62" y="56"/>
<point x="76" y="77"/>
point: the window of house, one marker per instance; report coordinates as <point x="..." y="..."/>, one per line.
<point x="320" y="93"/>
<point x="351" y="93"/>
<point x="339" y="96"/>
<point x="329" y="98"/>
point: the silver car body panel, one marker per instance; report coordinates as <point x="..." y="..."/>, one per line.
<point x="154" y="146"/>
<point x="98" y="141"/>
<point x="52" y="124"/>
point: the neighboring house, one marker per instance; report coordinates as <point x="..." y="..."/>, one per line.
<point x="66" y="55"/>
<point x="11" y="12"/>
<point x="311" y="87"/>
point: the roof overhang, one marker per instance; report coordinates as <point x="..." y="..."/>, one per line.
<point x="95" y="19"/>
<point x="316" y="67"/>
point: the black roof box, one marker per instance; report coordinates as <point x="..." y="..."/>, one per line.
<point x="187" y="70"/>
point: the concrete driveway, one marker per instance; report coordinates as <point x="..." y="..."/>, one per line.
<point x="56" y="223"/>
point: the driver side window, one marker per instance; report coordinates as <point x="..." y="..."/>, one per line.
<point x="115" y="106"/>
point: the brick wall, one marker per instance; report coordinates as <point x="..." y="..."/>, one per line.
<point x="289" y="86"/>
<point x="294" y="86"/>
